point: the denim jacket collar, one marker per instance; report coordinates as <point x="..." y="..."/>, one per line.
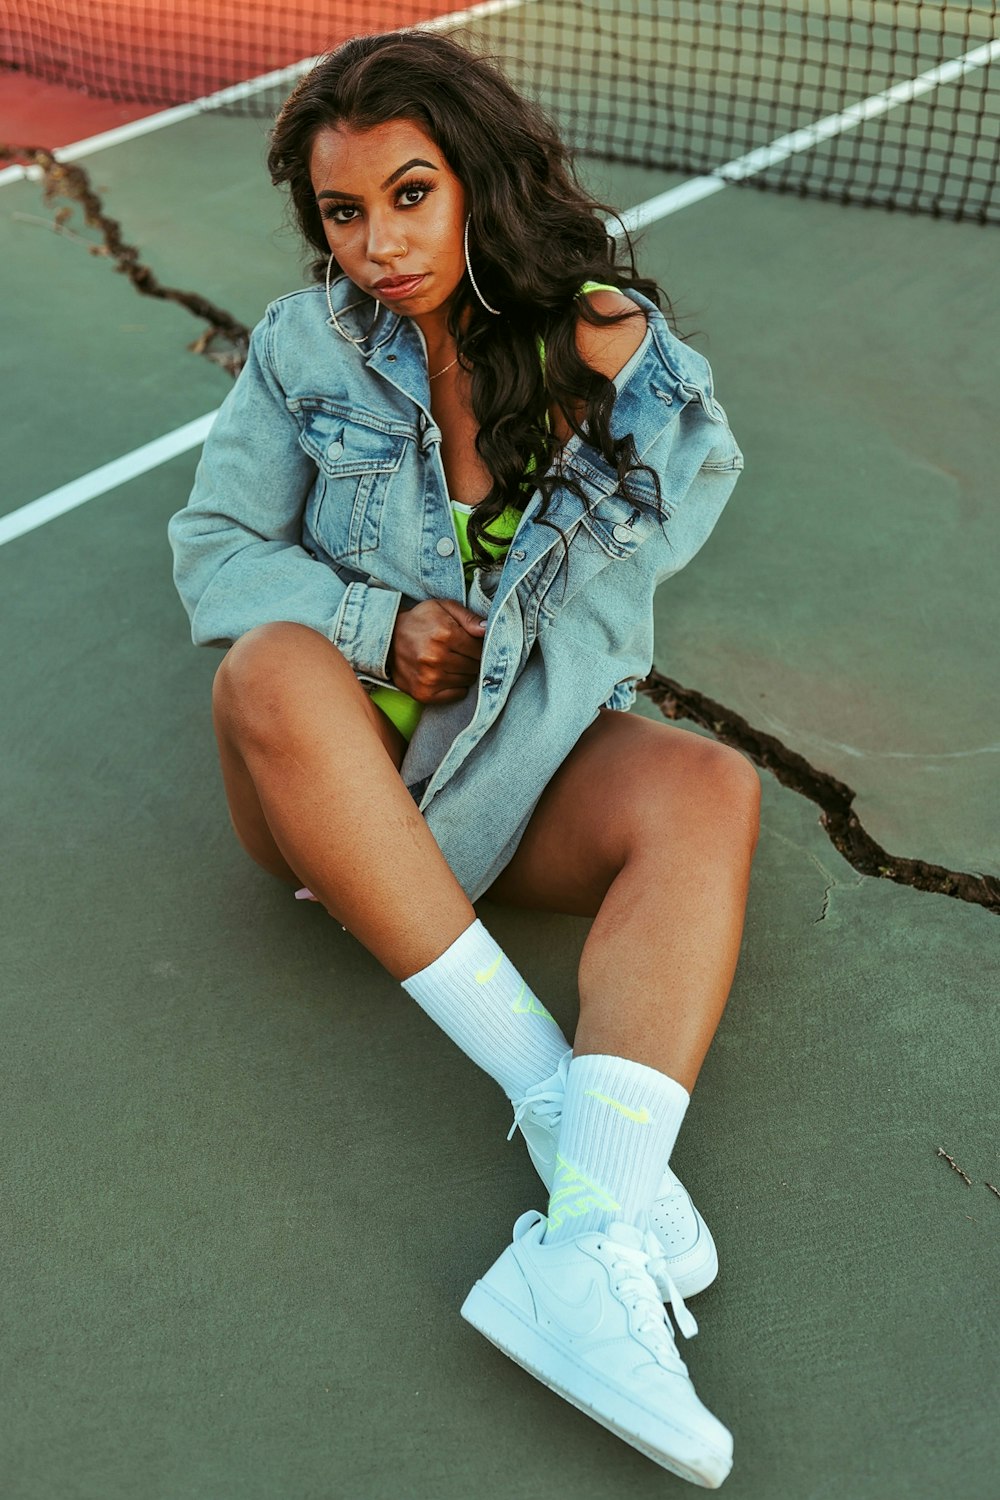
<point x="395" y="349"/>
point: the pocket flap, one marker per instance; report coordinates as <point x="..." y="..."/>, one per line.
<point x="341" y="446"/>
<point x="618" y="525"/>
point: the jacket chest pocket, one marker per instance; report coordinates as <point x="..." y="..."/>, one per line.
<point x="356" y="467"/>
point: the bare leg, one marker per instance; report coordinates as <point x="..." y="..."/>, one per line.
<point x="650" y="830"/>
<point x="311" y="773"/>
<point x="660" y="858"/>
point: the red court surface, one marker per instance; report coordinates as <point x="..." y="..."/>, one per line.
<point x="35" y="113"/>
<point x="68" y="75"/>
<point x="169" y="53"/>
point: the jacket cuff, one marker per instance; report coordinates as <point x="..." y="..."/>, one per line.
<point x="363" y="626"/>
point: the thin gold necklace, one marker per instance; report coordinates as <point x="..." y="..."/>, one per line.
<point x="445" y="370"/>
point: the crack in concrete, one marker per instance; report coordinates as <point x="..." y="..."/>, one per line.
<point x="225" y="341"/>
<point x="831" y="881"/>
<point x="834" y="798"/>
<point x="834" y="885"/>
<point x="826" y="904"/>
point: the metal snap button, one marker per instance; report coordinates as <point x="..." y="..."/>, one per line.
<point x="622" y="533"/>
<point x="335" y="449"/>
<point x="445" y="546"/>
<point x="519" y="554"/>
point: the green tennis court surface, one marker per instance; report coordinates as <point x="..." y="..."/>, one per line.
<point x="247" y="1184"/>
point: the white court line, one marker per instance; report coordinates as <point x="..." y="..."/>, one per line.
<point x="233" y="94"/>
<point x="109" y="476"/>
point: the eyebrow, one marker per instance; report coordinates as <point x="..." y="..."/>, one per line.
<point x="416" y="162"/>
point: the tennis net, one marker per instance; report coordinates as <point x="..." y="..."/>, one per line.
<point x="860" y="101"/>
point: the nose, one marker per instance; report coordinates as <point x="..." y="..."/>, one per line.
<point x="384" y="241"/>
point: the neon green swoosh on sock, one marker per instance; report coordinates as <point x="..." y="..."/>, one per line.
<point x="640" y="1116"/>
<point x="483" y="976"/>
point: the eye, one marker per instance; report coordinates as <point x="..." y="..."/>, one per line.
<point x="413" y="193"/>
<point x="335" y="212"/>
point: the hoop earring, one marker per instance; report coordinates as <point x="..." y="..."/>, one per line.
<point x="468" y="266"/>
<point x="335" y="320"/>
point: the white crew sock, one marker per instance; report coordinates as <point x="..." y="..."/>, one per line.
<point x="478" y="998"/>
<point x="619" y="1123"/>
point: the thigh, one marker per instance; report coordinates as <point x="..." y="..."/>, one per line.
<point x="304" y="662"/>
<point x="627" y="779"/>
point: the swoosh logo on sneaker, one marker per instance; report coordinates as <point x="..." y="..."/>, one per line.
<point x="578" y="1320"/>
<point x="640" y="1116"/>
<point x="533" y="1006"/>
<point x="541" y="1147"/>
<point x="483" y="976"/>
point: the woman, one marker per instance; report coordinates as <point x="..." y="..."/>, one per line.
<point x="429" y="521"/>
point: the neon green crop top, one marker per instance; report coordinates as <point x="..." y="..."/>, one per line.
<point x="403" y="710"/>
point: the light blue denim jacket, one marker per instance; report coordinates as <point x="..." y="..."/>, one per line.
<point x="321" y="498"/>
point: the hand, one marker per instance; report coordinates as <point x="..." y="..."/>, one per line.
<point x="435" y="650"/>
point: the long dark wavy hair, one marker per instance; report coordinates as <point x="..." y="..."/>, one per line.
<point x="536" y="236"/>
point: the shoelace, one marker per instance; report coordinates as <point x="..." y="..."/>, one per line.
<point x="641" y="1267"/>
<point x="546" y="1105"/>
<point x="659" y="1270"/>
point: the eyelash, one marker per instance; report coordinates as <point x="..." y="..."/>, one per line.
<point x="415" y="185"/>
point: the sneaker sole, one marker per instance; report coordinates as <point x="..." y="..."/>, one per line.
<point x="527" y="1345"/>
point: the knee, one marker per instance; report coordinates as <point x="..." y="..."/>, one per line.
<point x="255" y="665"/>
<point x="262" y="672"/>
<point x="733" y="785"/>
<point x="709" y="787"/>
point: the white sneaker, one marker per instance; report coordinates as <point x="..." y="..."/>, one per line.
<point x="689" y="1250"/>
<point x="584" y="1316"/>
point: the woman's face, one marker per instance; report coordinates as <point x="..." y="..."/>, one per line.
<point x="394" y="213"/>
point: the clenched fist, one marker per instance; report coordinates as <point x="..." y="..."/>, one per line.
<point x="435" y="650"/>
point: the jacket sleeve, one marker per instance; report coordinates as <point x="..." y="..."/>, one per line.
<point x="238" y="555"/>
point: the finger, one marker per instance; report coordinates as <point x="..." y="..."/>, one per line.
<point x="472" y="623"/>
<point x="465" y="646"/>
<point x="450" y="695"/>
<point x="453" y="666"/>
<point x="452" y="682"/>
